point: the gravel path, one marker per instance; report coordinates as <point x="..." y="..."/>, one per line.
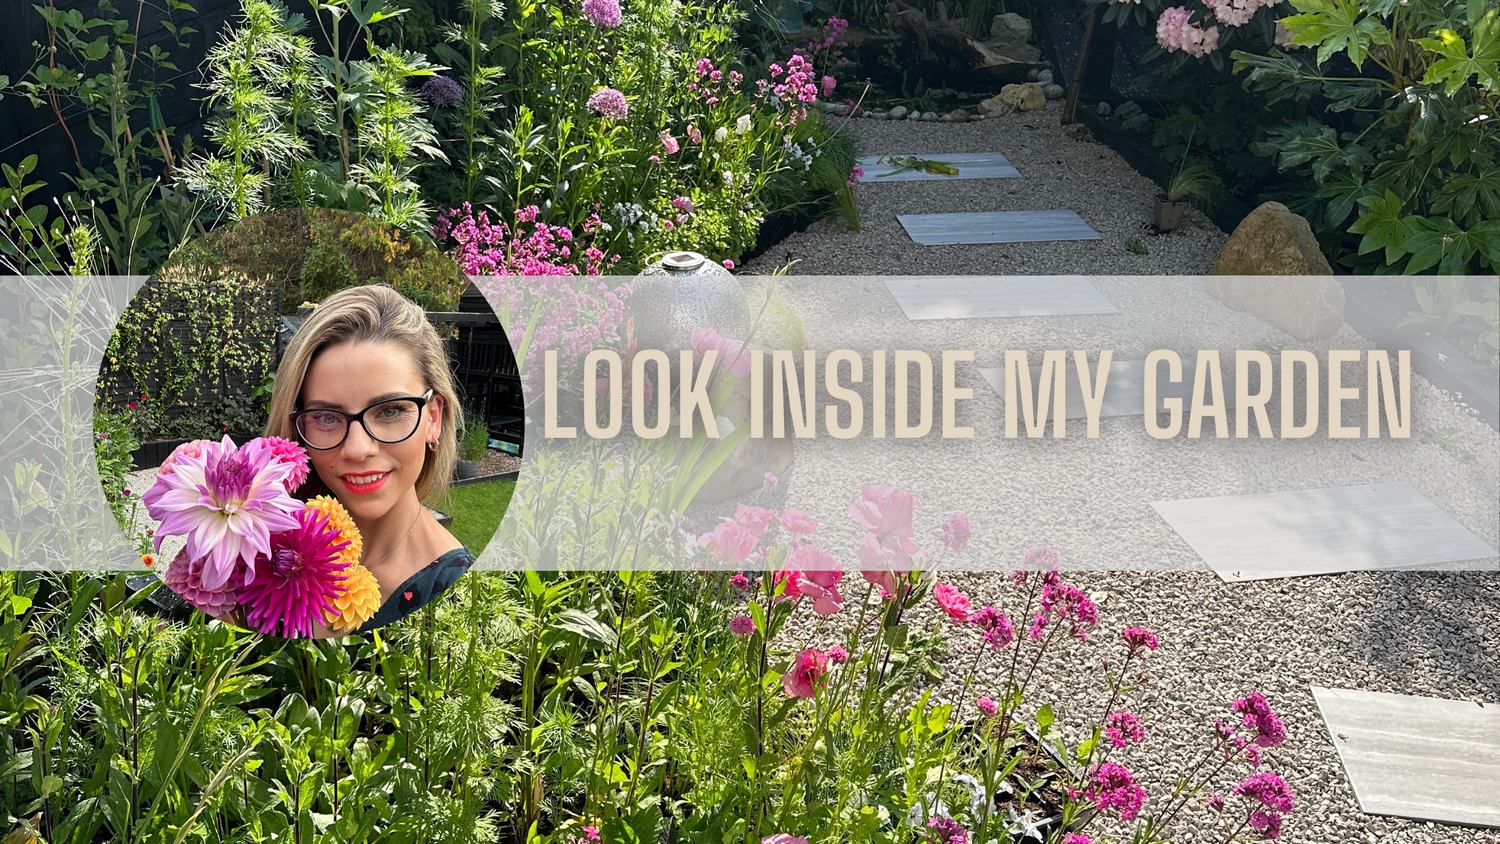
<point x="1404" y="632"/>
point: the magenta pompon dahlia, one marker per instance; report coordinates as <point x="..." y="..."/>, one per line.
<point x="295" y="583"/>
<point x="227" y="501"/>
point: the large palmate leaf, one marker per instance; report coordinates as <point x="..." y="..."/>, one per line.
<point x="1458" y="63"/>
<point x="1313" y="142"/>
<point x="1335" y="26"/>
<point x="1440" y="242"/>
<point x="1278" y="76"/>
<point x="1343" y="193"/>
<point x="1470" y="196"/>
<point x="1383" y="226"/>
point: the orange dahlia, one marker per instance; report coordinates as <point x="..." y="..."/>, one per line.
<point x="357" y="603"/>
<point x="340" y="520"/>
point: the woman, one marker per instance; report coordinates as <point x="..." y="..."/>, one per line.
<point x="364" y="386"/>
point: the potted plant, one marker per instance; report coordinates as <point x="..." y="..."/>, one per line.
<point x="471" y="448"/>
<point x="1196" y="181"/>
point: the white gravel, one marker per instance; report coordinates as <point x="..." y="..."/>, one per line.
<point x="1435" y="634"/>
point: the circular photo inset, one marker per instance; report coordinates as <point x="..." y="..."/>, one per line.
<point x="310" y="422"/>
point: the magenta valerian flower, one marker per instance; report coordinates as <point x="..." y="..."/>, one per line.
<point x="1268" y="789"/>
<point x="855" y="174"/>
<point x="945" y="830"/>
<point x="952" y="601"/>
<point x="1061" y="602"/>
<point x="1268" y="824"/>
<point x="1124" y="729"/>
<point x="955" y="532"/>
<point x="295" y="583"/>
<point x="607" y="102"/>
<point x="441" y="92"/>
<point x="742" y="625"/>
<point x="988" y="706"/>
<point x="1113" y="786"/>
<point x="185" y="577"/>
<point x="1216" y="802"/>
<point x="1077" y="838"/>
<point x="1139" y="640"/>
<point x="1258" y="716"/>
<point x="227" y="502"/>
<point x="998" y="630"/>
<point x="604" y="13"/>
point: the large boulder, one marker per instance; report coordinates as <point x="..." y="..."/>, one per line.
<point x="1302" y="298"/>
<point x="1021" y="96"/>
<point x="1010" y="26"/>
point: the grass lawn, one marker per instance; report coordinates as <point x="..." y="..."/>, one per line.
<point x="476" y="510"/>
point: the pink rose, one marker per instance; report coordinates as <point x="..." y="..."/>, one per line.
<point x="728" y="541"/>
<point x="953" y="602"/>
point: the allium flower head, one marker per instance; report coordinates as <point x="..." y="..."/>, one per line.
<point x="296" y="583"/>
<point x="604" y="13"/>
<point x="952" y="601"/>
<point x="357" y="603"/>
<point x="185" y="577"/>
<point x="441" y="92"/>
<point x="607" y="102"/>
<point x="807" y="673"/>
<point x="227" y="502"/>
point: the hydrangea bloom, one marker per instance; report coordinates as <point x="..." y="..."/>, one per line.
<point x="296" y="583"/>
<point x="1175" y="31"/>
<point x="604" y="13"/>
<point x="227" y="502"/>
<point x="607" y="102"/>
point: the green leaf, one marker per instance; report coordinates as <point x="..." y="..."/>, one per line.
<point x="585" y="625"/>
<point x="1045" y="718"/>
<point x="1466" y="196"/>
<point x="1440" y="242"/>
<point x="1458" y="64"/>
<point x="19" y="603"/>
<point x="1335" y="26"/>
<point x="1383" y="226"/>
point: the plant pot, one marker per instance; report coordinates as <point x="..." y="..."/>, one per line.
<point x="683" y="291"/>
<point x="1169" y="214"/>
<point x="467" y="469"/>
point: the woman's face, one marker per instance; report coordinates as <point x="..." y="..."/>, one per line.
<point x="367" y="476"/>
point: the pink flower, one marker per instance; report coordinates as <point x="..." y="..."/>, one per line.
<point x="669" y="143"/>
<point x="694" y="135"/>
<point x="945" y="830"/>
<point x="1269" y="731"/>
<point x="787" y="583"/>
<point x="828" y="85"/>
<point x="783" y="838"/>
<point x="1216" y="802"/>
<point x="757" y="520"/>
<point x="884" y="579"/>
<point x="591" y="833"/>
<point x="770" y="482"/>
<point x="988" y="706"/>
<point x="742" y="625"/>
<point x="956" y="532"/>
<point x="798" y="522"/>
<point x="1176" y="32"/>
<point x="1112" y="786"/>
<point x="192" y="449"/>
<point x="1269" y="790"/>
<point x="1139" y="639"/>
<point x="295" y="583"/>
<point x="954" y="602"/>
<point x="185" y="577"/>
<point x="1063" y="602"/>
<point x="608" y="102"/>
<point x="807" y="673"/>
<point x="1268" y="824"/>
<point x="227" y="502"/>
<point x="731" y="352"/>
<point x="816" y="577"/>
<point x="683" y="204"/>
<point x="1077" y="838"/>
<point x="606" y="15"/>
<point x="837" y="655"/>
<point x="998" y="630"/>
<point x="287" y="451"/>
<point x="728" y="541"/>
<point x="1124" y="729"/>
<point x="885" y="511"/>
<point x="728" y="264"/>
<point x="740" y="581"/>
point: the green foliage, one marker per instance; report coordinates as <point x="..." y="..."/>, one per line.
<point x="1196" y="181"/>
<point x="476" y="439"/>
<point x="1465" y="309"/>
<point x="477" y="510"/>
<point x="114" y="440"/>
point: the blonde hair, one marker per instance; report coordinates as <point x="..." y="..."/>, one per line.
<point x="372" y="314"/>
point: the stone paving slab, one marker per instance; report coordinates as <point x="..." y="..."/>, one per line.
<point x="996" y="227"/>
<point x="1387" y="526"/>
<point x="987" y="297"/>
<point x="970" y="165"/>
<point x="1423" y="758"/>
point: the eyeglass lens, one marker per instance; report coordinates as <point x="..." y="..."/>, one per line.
<point x="387" y="422"/>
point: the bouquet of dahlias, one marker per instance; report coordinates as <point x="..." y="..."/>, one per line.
<point x="255" y="555"/>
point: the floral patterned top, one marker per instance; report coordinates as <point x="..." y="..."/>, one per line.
<point x="419" y="589"/>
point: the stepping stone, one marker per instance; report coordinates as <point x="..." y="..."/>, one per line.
<point x="971" y="165"/>
<point x="1422" y="758"/>
<point x="1125" y="390"/>
<point x="996" y="227"/>
<point x="956" y="297"/>
<point x="1324" y="531"/>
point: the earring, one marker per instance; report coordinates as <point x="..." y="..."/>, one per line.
<point x="432" y="445"/>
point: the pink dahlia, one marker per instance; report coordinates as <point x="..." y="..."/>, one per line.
<point x="953" y="602"/>
<point x="298" y="580"/>
<point x="227" y="502"/>
<point x="604" y="13"/>
<point x="185" y="577"/>
<point x="192" y="449"/>
<point x="287" y="451"/>
<point x="807" y="673"/>
<point x="607" y="102"/>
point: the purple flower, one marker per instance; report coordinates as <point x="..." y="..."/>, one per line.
<point x="604" y="13"/>
<point x="1216" y="802"/>
<point x="1268" y="824"/>
<point x="1268" y="789"/>
<point x="1124" y="728"/>
<point x="945" y="830"/>
<point x="1112" y="786"/>
<point x="1137" y="638"/>
<point x="1269" y="731"/>
<point x="956" y="532"/>
<point x="837" y="655"/>
<point x="988" y="706"/>
<point x="769" y="484"/>
<point x="1063" y="602"/>
<point x="441" y="92"/>
<point x="742" y="625"/>
<point x="998" y="630"/>
<point x="608" y="102"/>
<point x="227" y="501"/>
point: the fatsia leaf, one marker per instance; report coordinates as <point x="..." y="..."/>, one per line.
<point x="1383" y="226"/>
<point x="1458" y="63"/>
<point x="1440" y="242"/>
<point x="1469" y="196"/>
<point x="1335" y="26"/>
<point x="1343" y="194"/>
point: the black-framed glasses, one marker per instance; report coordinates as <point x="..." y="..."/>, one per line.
<point x="390" y="422"/>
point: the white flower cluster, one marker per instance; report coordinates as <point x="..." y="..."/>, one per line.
<point x="632" y="216"/>
<point x="795" y="151"/>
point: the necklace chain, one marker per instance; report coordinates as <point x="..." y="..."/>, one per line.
<point x="403" y="538"/>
